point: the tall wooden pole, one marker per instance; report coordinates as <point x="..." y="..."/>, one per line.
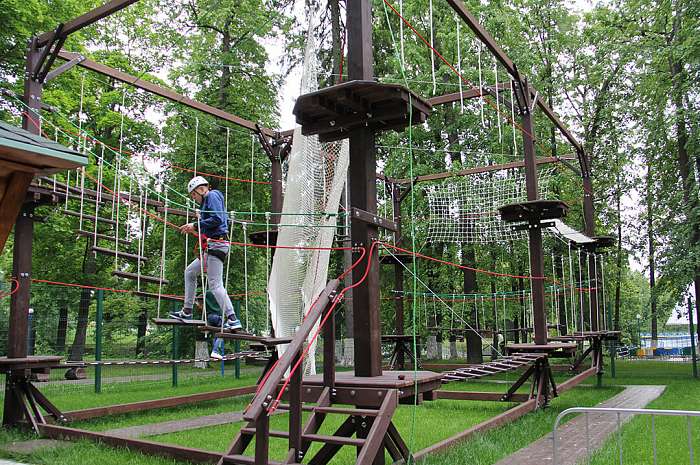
<point x="363" y="195"/>
<point x="22" y="253"/>
<point x="535" y="230"/>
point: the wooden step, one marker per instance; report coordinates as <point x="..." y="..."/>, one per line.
<point x="244" y="460"/>
<point x="106" y="237"/>
<point x="118" y="253"/>
<point x="343" y="411"/>
<point x="89" y="217"/>
<point x="178" y="322"/>
<point x="144" y="278"/>
<point x="339" y="440"/>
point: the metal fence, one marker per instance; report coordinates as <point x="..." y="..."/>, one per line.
<point x="621" y="414"/>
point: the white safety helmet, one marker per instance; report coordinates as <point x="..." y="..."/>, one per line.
<point x="195" y="183"/>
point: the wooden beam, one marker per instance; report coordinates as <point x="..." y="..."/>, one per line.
<point x="85" y="20"/>
<point x="479" y="169"/>
<point x="165" y="93"/>
<point x="167" y="402"/>
<point x="170" y="451"/>
<point x="488" y="40"/>
<point x="474" y="92"/>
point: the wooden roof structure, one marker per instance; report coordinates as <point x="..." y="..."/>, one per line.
<point x="24" y="155"/>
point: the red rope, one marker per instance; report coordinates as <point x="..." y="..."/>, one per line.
<point x="337" y="300"/>
<point x="112" y="289"/>
<point x="463" y="267"/>
<point x="15" y="282"/>
<point x="363" y="253"/>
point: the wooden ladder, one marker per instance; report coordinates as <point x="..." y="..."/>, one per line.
<point x="368" y="430"/>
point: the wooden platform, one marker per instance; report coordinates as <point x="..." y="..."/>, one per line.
<point x="501" y="365"/>
<point x="568" y="338"/>
<point x="402" y="380"/>
<point x="553" y="348"/>
<point x="534" y="210"/>
<point x="32" y="362"/>
<point x="335" y="111"/>
<point x="178" y="322"/>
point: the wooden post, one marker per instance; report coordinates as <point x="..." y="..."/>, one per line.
<point x="535" y="230"/>
<point x="328" y="349"/>
<point x="276" y="194"/>
<point x="22" y="252"/>
<point x="295" y="412"/>
<point x="363" y="195"/>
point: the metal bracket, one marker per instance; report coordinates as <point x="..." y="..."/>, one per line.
<point x="366" y="217"/>
<point x="64" y="67"/>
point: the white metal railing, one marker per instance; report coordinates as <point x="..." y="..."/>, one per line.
<point x="619" y="412"/>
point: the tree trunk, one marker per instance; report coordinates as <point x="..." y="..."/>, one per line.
<point x="678" y="78"/>
<point x="141" y="333"/>
<point x="618" y="281"/>
<point x="652" y="257"/>
<point x="77" y="350"/>
<point x="474" y="353"/>
<point x="62" y="329"/>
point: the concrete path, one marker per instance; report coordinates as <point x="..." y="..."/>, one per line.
<point x="572" y="435"/>
<point x="174" y="426"/>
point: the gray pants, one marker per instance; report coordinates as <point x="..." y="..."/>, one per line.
<point x="215" y="278"/>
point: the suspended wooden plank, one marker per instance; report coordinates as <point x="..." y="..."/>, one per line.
<point x="118" y="253"/>
<point x="105" y="237"/>
<point x="142" y="278"/>
<point x="89" y="217"/>
<point x="178" y="322"/>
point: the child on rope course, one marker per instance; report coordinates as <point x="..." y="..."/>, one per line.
<point x="213" y="226"/>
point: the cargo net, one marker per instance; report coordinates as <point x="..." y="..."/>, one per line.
<point x="315" y="180"/>
<point x="467" y="211"/>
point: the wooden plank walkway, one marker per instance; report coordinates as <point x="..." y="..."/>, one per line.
<point x="572" y="435"/>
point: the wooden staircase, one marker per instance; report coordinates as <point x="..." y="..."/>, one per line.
<point x="368" y="411"/>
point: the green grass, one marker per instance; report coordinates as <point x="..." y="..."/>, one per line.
<point x="434" y="421"/>
<point x="71" y="398"/>
<point x="682" y="393"/>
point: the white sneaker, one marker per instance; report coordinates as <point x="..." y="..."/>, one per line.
<point x="216" y="356"/>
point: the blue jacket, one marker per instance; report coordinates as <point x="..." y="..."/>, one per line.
<point x="213" y="220"/>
